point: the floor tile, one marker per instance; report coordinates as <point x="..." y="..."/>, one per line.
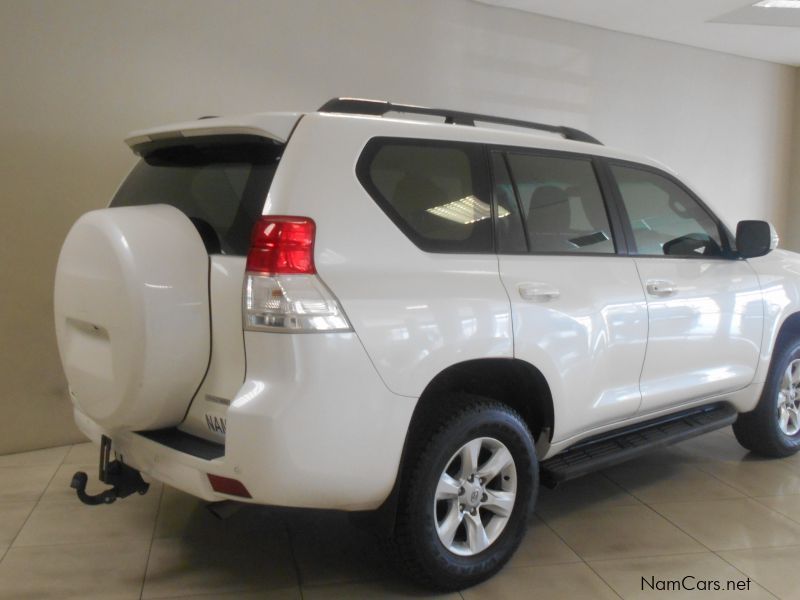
<point x="682" y="576"/>
<point x="24" y="484"/>
<point x="373" y="589"/>
<point x="573" y="581"/>
<point x="541" y="546"/>
<point x="756" y="478"/>
<point x="774" y="568"/>
<point x="289" y="593"/>
<point x="84" y="453"/>
<point x="185" y="566"/>
<point x="791" y="462"/>
<point x="622" y="531"/>
<point x="716" y="446"/>
<point x="731" y="524"/>
<point x="590" y="492"/>
<point x="180" y="513"/>
<point x="46" y="457"/>
<point x="183" y="515"/>
<point x="12" y="517"/>
<point x="131" y="518"/>
<point x="669" y="482"/>
<point x="786" y="505"/>
<point x="107" y="570"/>
<point x="330" y="549"/>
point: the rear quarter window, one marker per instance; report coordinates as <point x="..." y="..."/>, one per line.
<point x="435" y="192"/>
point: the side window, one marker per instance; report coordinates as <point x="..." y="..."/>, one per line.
<point x="509" y="232"/>
<point x="436" y="192"/>
<point x="562" y="206"/>
<point x="665" y="219"/>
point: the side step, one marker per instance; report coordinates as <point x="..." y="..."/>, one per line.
<point x="618" y="446"/>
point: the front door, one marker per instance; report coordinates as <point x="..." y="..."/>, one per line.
<point x="705" y="305"/>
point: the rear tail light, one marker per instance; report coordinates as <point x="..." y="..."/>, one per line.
<point x="282" y="292"/>
<point x="282" y="245"/>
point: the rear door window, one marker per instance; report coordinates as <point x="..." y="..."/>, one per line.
<point x="435" y="192"/>
<point x="220" y="182"/>
<point x="562" y="207"/>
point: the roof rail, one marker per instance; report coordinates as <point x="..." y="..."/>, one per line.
<point x="361" y="106"/>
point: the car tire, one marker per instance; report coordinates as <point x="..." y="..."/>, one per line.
<point x="464" y="508"/>
<point x="773" y="428"/>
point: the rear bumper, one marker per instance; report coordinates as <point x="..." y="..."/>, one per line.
<point x="313" y="426"/>
<point x="156" y="461"/>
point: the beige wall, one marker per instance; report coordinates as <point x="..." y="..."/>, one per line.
<point x="790" y="232"/>
<point x="76" y="76"/>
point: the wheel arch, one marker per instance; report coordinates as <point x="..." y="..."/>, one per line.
<point x="789" y="329"/>
<point x="512" y="381"/>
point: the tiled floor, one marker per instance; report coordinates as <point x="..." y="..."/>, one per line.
<point x="704" y="509"/>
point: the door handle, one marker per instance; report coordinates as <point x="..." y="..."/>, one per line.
<point x="537" y="292"/>
<point x="661" y="287"/>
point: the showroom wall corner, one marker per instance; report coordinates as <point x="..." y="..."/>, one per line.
<point x="77" y="76"/>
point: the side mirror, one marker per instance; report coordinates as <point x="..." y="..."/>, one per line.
<point x="755" y="238"/>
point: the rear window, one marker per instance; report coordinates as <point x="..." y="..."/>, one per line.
<point x="220" y="182"/>
<point x="435" y="192"/>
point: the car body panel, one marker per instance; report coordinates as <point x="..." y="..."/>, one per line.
<point x="588" y="341"/>
<point x="313" y="426"/>
<point x="704" y="337"/>
<point x="207" y="416"/>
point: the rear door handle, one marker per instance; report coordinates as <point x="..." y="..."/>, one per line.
<point x="537" y="292"/>
<point x="660" y="287"/>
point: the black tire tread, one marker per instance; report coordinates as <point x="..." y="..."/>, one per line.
<point x="402" y="543"/>
<point x="757" y="430"/>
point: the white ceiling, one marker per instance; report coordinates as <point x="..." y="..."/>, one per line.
<point x="732" y="26"/>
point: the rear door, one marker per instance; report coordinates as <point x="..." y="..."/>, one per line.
<point x="579" y="313"/>
<point x="220" y="182"/>
<point x="705" y="305"/>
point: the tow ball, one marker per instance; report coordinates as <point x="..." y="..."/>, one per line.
<point x="124" y="480"/>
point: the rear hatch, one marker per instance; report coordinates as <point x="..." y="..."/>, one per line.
<point x="149" y="291"/>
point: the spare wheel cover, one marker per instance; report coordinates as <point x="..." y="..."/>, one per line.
<point x="132" y="315"/>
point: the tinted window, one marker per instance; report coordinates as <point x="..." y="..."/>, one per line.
<point x="510" y="234"/>
<point x="665" y="219"/>
<point x="435" y="192"/>
<point x="562" y="206"/>
<point x="219" y="182"/>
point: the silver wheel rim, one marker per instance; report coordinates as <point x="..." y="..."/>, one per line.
<point x="475" y="496"/>
<point x="789" y="399"/>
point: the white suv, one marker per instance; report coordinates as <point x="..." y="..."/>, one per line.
<point x="343" y="310"/>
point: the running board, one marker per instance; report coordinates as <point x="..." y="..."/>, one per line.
<point x="618" y="446"/>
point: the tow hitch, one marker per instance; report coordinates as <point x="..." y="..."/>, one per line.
<point x="124" y="480"/>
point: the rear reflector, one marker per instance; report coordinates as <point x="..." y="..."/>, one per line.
<point x="226" y="485"/>
<point x="282" y="245"/>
